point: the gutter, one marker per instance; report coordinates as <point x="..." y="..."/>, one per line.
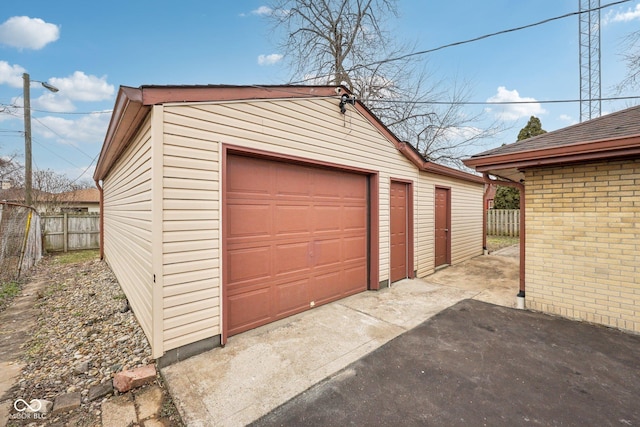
<point x="101" y="219"/>
<point x="520" y="187"/>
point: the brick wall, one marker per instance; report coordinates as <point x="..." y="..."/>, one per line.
<point x="583" y="242"/>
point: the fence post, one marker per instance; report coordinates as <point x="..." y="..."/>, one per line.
<point x="65" y="231"/>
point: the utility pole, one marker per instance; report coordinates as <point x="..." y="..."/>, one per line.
<point x="27" y="138"/>
<point x="26" y="95"/>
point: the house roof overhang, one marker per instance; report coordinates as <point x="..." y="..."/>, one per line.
<point x="510" y="166"/>
<point x="133" y="105"/>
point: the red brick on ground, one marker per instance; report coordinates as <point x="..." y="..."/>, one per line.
<point x="126" y="380"/>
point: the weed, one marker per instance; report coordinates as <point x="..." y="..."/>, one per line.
<point x="495" y="243"/>
<point x="8" y="290"/>
<point x="77" y="256"/>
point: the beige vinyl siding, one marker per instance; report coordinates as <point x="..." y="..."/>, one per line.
<point x="191" y="238"/>
<point x="127" y="225"/>
<point x="425" y="209"/>
<point x="311" y="129"/>
<point x="466" y="220"/>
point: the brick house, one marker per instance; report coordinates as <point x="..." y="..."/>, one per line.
<point x="582" y="217"/>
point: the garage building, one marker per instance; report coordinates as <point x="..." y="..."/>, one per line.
<point x="228" y="207"/>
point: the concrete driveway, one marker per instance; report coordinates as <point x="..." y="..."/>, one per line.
<point x="261" y="369"/>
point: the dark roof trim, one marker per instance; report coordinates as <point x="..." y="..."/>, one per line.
<point x="581" y="152"/>
<point x="128" y="114"/>
<point x="133" y="105"/>
<point x="413" y="155"/>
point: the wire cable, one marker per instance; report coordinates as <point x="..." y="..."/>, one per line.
<point x="459" y="43"/>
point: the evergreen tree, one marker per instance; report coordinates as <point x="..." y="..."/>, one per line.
<point x="533" y="128"/>
<point x="509" y="197"/>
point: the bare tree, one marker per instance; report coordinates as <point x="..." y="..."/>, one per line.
<point x="11" y="171"/>
<point x="346" y="42"/>
<point x="631" y="56"/>
<point x="327" y="38"/>
<point x="49" y="187"/>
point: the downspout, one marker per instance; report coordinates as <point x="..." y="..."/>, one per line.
<point x="484" y="219"/>
<point x="101" y="219"/>
<point x="520" y="187"/>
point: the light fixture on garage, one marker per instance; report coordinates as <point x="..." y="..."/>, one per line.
<point x="344" y="100"/>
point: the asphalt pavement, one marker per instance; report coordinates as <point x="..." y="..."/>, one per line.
<point x="478" y="364"/>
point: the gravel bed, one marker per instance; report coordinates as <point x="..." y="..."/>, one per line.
<point x="84" y="335"/>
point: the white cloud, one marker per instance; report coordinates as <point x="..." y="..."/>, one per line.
<point x="618" y="16"/>
<point x="567" y="118"/>
<point x="262" y="10"/>
<point x="512" y="112"/>
<point x="77" y="87"/>
<point x="82" y="87"/>
<point x="87" y="129"/>
<point x="11" y="74"/>
<point x="269" y="59"/>
<point x="23" y="32"/>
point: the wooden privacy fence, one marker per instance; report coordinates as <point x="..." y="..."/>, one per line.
<point x="503" y="222"/>
<point x="70" y="232"/>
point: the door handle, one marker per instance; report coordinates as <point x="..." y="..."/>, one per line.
<point x="446" y="229"/>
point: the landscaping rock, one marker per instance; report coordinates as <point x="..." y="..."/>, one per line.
<point x="66" y="402"/>
<point x="100" y="390"/>
<point x="81" y="367"/>
<point x="44" y="406"/>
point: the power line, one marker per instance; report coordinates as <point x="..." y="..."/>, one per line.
<point x="552" y="101"/>
<point x="86" y="169"/>
<point x="60" y="136"/>
<point x="56" y="112"/>
<point x="475" y="39"/>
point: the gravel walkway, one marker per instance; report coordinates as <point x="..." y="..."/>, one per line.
<point x="85" y="333"/>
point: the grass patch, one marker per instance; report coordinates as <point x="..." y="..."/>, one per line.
<point x="8" y="290"/>
<point x="77" y="256"/>
<point x="495" y="243"/>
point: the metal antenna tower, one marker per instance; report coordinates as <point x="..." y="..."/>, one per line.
<point x="589" y="32"/>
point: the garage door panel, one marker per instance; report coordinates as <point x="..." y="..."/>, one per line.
<point x="324" y="218"/>
<point x="290" y="219"/>
<point x="248" y="177"/>
<point x="292" y="297"/>
<point x="291" y="257"/>
<point x="353" y="188"/>
<point x="249" y="220"/>
<point x="248" y="309"/>
<point x="292" y="180"/>
<point x="353" y="276"/>
<point x="248" y="263"/>
<point x="299" y="237"/>
<point x="327" y="252"/>
<point x="327" y="184"/>
<point x="355" y="218"/>
<point x="354" y="248"/>
<point x="327" y="287"/>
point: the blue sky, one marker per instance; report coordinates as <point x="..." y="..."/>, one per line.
<point x="89" y="51"/>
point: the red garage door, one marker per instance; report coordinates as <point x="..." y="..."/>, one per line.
<point x="295" y="238"/>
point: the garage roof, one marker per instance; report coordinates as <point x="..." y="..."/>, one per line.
<point x="134" y="104"/>
<point x="615" y="135"/>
